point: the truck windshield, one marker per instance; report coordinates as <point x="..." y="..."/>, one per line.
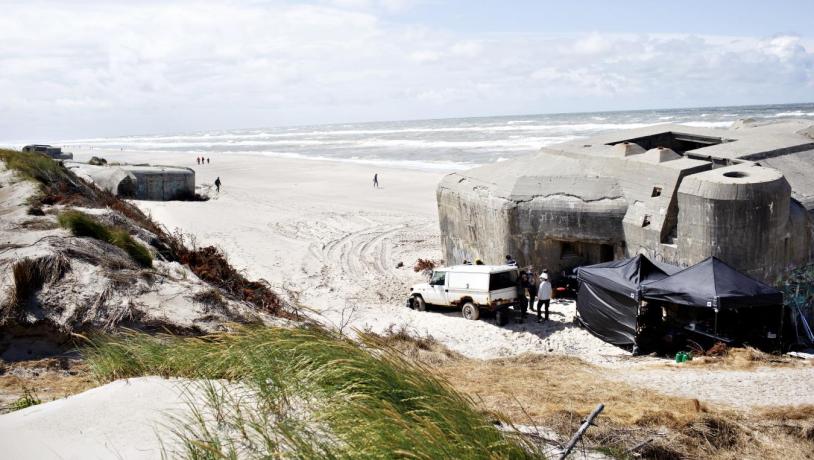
<point x="502" y="280"/>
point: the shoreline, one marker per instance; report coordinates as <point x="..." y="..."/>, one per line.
<point x="84" y="154"/>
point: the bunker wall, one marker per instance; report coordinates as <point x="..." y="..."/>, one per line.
<point x="750" y="222"/>
<point x="162" y="186"/>
<point x="473" y="226"/>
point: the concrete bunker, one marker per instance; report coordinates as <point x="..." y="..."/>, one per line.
<point x="677" y="194"/>
<point x="53" y="152"/>
<point x="141" y="182"/>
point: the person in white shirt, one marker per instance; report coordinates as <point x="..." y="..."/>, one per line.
<point x="543" y="297"/>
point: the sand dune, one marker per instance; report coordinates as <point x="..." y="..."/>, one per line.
<point x="117" y="420"/>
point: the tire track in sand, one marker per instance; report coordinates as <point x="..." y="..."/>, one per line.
<point x="362" y="252"/>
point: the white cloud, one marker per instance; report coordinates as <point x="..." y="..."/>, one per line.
<point x="592" y="44"/>
<point x="425" y="56"/>
<point x="469" y="49"/>
<point x="97" y="69"/>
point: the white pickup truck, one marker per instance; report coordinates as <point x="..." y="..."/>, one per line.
<point x="472" y="288"/>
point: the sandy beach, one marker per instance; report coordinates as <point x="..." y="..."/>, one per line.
<point x="320" y="231"/>
<point x="321" y="234"/>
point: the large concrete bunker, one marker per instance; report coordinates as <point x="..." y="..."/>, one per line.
<point x="142" y="182"/>
<point x="675" y="193"/>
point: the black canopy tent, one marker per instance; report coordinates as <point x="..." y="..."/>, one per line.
<point x="712" y="283"/>
<point x="680" y="304"/>
<point x="740" y="309"/>
<point x="608" y="297"/>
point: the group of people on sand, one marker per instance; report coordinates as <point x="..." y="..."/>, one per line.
<point x="530" y="286"/>
<point x="205" y="161"/>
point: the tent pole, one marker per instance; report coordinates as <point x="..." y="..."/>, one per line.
<point x="716" y="321"/>
<point x="715" y="303"/>
<point x="780" y="332"/>
<point x="638" y="311"/>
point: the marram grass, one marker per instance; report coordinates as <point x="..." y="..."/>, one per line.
<point x="81" y="224"/>
<point x="314" y="394"/>
<point x="33" y="165"/>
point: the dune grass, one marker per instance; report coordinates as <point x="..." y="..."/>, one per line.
<point x="315" y="395"/>
<point x="35" y="166"/>
<point x="81" y="224"/>
<point x="29" y="276"/>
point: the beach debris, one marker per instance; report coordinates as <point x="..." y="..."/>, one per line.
<point x="424" y="265"/>
<point x="581" y="431"/>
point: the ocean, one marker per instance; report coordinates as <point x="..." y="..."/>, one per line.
<point x="445" y="144"/>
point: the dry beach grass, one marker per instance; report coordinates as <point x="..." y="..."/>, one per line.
<point x="555" y="393"/>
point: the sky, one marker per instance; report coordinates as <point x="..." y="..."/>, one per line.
<point x="89" y="68"/>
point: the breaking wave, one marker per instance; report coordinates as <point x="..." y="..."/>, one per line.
<point x="431" y="144"/>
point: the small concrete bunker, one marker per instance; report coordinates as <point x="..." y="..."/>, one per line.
<point x="677" y="194"/>
<point x="141" y="182"/>
<point x="53" y="152"/>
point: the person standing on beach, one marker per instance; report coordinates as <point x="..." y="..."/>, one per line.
<point x="198" y="160"/>
<point x="376" y="180"/>
<point x="543" y="297"/>
<point x="217" y="184"/>
<point x="531" y="287"/>
<point x="521" y="291"/>
<point x="207" y="160"/>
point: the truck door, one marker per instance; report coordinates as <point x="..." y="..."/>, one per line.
<point x="438" y="289"/>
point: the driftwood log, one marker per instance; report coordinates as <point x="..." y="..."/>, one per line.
<point x="587" y="423"/>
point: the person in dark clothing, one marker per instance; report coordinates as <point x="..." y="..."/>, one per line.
<point x="198" y="160"/>
<point x="521" y="294"/>
<point x="376" y="180"/>
<point x="531" y="288"/>
<point x="207" y="160"/>
<point x="217" y="184"/>
<point x="510" y="261"/>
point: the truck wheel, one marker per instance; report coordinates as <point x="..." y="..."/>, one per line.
<point x="470" y="311"/>
<point x="419" y="304"/>
<point x="502" y="317"/>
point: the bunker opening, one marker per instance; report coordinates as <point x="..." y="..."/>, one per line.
<point x="577" y="253"/>
<point x="678" y="142"/>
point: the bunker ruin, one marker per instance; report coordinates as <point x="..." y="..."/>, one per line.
<point x="677" y="194"/>
<point x="53" y="152"/>
<point x="141" y="182"/>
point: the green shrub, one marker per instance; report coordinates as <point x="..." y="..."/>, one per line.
<point x="81" y="224"/>
<point x="315" y="395"/>
<point x="28" y="399"/>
